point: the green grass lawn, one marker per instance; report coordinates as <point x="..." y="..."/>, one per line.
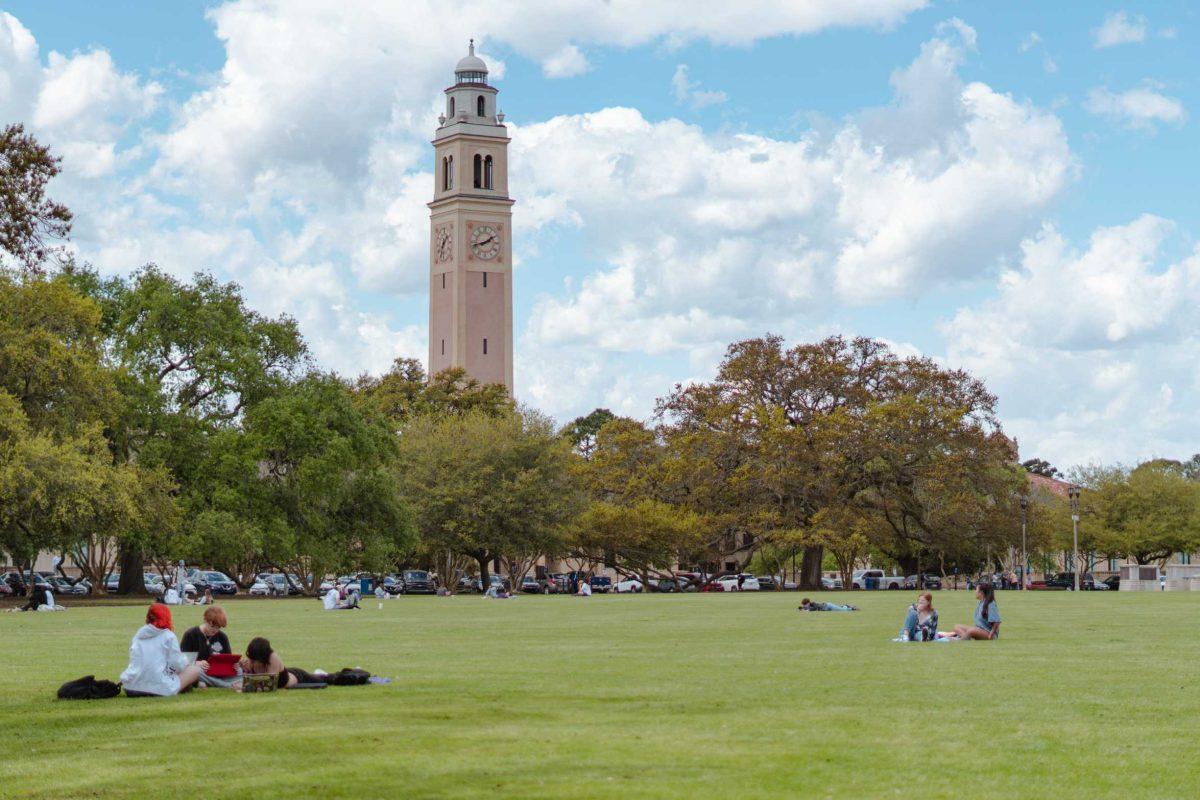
<point x="1090" y="695"/>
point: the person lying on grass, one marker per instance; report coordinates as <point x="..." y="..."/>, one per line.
<point x="260" y="659"/>
<point x="157" y="667"/>
<point x="920" y="624"/>
<point x="816" y="605"/>
<point x="987" y="616"/>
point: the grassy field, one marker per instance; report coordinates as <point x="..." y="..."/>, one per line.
<point x="727" y="696"/>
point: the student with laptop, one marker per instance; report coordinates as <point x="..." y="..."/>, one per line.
<point x="208" y="639"/>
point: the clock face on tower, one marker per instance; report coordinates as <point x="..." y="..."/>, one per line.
<point x="485" y="242"/>
<point x="443" y="244"/>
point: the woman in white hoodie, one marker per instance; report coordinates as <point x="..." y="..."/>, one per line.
<point x="157" y="667"/>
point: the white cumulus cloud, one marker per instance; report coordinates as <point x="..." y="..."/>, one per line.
<point x="689" y="91"/>
<point x="1120" y="28"/>
<point x="1104" y="329"/>
<point x="1140" y="107"/>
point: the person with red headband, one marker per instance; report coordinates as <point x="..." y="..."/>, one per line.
<point x="157" y="667"/>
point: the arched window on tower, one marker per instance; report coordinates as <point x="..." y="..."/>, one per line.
<point x="480" y="107"/>
<point x="451" y="108"/>
<point x="478" y="171"/>
<point x="487" y="172"/>
<point x="447" y="173"/>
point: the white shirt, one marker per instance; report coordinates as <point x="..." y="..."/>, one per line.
<point x="585" y="589"/>
<point x="154" y="662"/>
<point x="331" y="599"/>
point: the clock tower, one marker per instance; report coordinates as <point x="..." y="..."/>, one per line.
<point x="470" y="224"/>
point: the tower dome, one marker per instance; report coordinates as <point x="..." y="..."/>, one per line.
<point x="471" y="68"/>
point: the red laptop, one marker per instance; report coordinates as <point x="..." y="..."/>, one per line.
<point x="223" y="665"/>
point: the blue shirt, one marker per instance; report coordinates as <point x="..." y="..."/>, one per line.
<point x="984" y="620"/>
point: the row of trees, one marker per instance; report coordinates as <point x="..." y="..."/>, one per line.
<point x="832" y="450"/>
<point x="148" y="419"/>
<point x="1146" y="513"/>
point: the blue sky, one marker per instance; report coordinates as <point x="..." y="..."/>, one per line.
<point x="1005" y="187"/>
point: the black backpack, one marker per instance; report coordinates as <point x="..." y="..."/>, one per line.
<point x="348" y="677"/>
<point x="88" y="688"/>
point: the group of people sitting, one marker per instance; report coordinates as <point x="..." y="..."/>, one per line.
<point x="921" y="621"/>
<point x="160" y="666"/>
<point x="41" y="598"/>
<point x="343" y="598"/>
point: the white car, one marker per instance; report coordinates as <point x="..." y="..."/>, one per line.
<point x="831" y="583"/>
<point x="628" y="586"/>
<point x="739" y="583"/>
<point x="878" y="579"/>
<point x="260" y="588"/>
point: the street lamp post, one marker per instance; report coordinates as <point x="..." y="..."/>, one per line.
<point x="1073" y="493"/>
<point x="1024" y="551"/>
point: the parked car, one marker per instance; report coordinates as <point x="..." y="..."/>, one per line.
<point x="739" y="583"/>
<point x="469" y="583"/>
<point x="1113" y="582"/>
<point x="16" y="581"/>
<point x="601" y="583"/>
<point x="925" y="581"/>
<point x="875" y="578"/>
<point x="768" y="583"/>
<point x="418" y="581"/>
<point x="831" y="583"/>
<point x="283" y="585"/>
<point x="63" y="586"/>
<point x="1066" y="580"/>
<point x="628" y="586"/>
<point x="713" y="585"/>
<point x="220" y="583"/>
<point x="531" y="585"/>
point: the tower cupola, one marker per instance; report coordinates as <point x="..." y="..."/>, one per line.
<point x="471" y="68"/>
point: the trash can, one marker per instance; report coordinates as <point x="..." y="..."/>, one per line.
<point x="872" y="583"/>
<point x="366" y="586"/>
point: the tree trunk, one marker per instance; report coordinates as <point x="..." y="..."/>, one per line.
<point x="810" y="567"/>
<point x="484" y="577"/>
<point x="133" y="580"/>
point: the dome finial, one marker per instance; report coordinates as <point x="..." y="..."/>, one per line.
<point x="471" y="48"/>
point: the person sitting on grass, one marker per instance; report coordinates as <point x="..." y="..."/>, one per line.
<point x="207" y="599"/>
<point x="208" y="638"/>
<point x="333" y="600"/>
<point x="816" y="605"/>
<point x="497" y="592"/>
<point x="920" y="625"/>
<point x="585" y="588"/>
<point x="261" y="659"/>
<point x="987" y="616"/>
<point x="41" y="599"/>
<point x="157" y="667"/>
